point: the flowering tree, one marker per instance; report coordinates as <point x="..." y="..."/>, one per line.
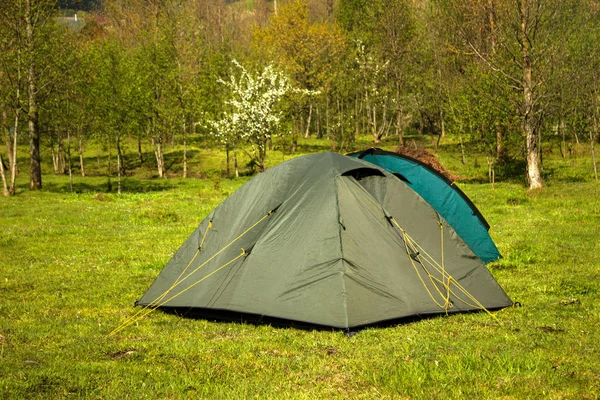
<point x="253" y="117"/>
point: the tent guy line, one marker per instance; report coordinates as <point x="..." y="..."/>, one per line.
<point x="409" y="242"/>
<point x="156" y="303"/>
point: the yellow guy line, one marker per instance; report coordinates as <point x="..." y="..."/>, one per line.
<point x="417" y="271"/>
<point x="451" y="279"/>
<point x="179" y="281"/>
<point x="131" y="322"/>
<point x="447" y="285"/>
<point x="431" y="261"/>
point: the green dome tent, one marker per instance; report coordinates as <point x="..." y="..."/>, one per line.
<point x="327" y="240"/>
<point x="443" y="195"/>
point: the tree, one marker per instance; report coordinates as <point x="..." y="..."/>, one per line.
<point x="12" y="81"/>
<point x="60" y="111"/>
<point x="577" y="109"/>
<point x="517" y="41"/>
<point x="383" y="32"/>
<point x="310" y="53"/>
<point x="37" y="14"/>
<point x="253" y="116"/>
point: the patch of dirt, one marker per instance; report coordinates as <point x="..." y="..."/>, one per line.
<point x="551" y="329"/>
<point x="121" y="354"/>
<point x="426" y="157"/>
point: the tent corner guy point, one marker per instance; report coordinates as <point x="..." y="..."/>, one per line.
<point x="334" y="241"/>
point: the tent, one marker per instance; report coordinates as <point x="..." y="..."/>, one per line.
<point x="327" y="240"/>
<point x="443" y="195"/>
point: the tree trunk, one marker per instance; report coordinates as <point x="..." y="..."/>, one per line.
<point x="81" y="155"/>
<point x="235" y="162"/>
<point x="119" y="164"/>
<point x="13" y="165"/>
<point x="139" y="149"/>
<point x="499" y="142"/>
<point x="399" y="124"/>
<point x="307" y="132"/>
<point x="4" y="185"/>
<point x="54" y="154"/>
<point x="492" y="26"/>
<point x="319" y="132"/>
<point x="399" y="128"/>
<point x="356" y="118"/>
<point x="593" y="135"/>
<point x="61" y="156"/>
<point x="533" y="168"/>
<point x="227" y="171"/>
<point x="185" y="165"/>
<point x="9" y="147"/>
<point x="327" y="132"/>
<point x="436" y="144"/>
<point x="35" y="178"/>
<point x="330" y="8"/>
<point x="462" y="151"/>
<point x="262" y="154"/>
<point x="361" y="111"/>
<point x="563" y="144"/>
<point x="69" y="160"/>
<point x="528" y="124"/>
<point x="491" y="171"/>
<point x="342" y="124"/>
<point x="374" y="125"/>
<point x="158" y="153"/>
<point x="108" y="166"/>
<point x="98" y="155"/>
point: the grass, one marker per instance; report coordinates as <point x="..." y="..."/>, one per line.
<point x="71" y="267"/>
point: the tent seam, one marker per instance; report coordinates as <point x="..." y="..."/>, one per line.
<point x="339" y="222"/>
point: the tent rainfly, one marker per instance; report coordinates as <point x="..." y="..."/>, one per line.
<point x="443" y="195"/>
<point x="327" y="240"/>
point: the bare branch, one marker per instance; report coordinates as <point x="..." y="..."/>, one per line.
<point x="516" y="82"/>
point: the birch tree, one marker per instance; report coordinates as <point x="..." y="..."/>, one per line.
<point x="517" y="41"/>
<point x="12" y="82"/>
<point x="37" y="14"/>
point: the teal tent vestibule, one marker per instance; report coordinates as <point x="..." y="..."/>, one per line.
<point x="443" y="195"/>
<point x="326" y="240"/>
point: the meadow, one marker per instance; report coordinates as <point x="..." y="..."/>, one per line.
<point x="72" y="266"/>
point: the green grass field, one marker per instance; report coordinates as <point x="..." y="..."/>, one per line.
<point x="72" y="265"/>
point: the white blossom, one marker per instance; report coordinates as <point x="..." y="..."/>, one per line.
<point x="253" y="116"/>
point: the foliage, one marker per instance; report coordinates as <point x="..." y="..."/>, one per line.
<point x="254" y="117"/>
<point x="367" y="71"/>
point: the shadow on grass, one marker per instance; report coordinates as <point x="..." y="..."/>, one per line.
<point x="105" y="185"/>
<point x="98" y="165"/>
<point x="509" y="170"/>
<point x="225" y="316"/>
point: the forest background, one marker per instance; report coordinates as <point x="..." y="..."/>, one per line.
<point x="132" y="80"/>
